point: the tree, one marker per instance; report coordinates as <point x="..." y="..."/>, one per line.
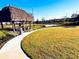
<point x="77" y="16"/>
<point x="43" y="20"/>
<point x="74" y="15"/>
<point x="37" y="21"/>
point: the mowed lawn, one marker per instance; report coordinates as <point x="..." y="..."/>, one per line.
<point x="53" y="43"/>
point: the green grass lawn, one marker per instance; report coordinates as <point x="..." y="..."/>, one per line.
<point x="53" y="43"/>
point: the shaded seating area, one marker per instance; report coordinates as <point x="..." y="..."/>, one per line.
<point x="15" y="18"/>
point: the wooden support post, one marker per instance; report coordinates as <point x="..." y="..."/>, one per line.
<point x="24" y="25"/>
<point x="13" y="26"/>
<point x="2" y="25"/>
<point x="19" y="25"/>
<point x="27" y="25"/>
<point x="30" y="25"/>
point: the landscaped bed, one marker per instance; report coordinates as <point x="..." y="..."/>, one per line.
<point x="4" y="37"/>
<point x="52" y="43"/>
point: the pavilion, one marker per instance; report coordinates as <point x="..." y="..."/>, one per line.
<point x="15" y="15"/>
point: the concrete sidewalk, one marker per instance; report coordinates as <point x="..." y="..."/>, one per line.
<point x="12" y="49"/>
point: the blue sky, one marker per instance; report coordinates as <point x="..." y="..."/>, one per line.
<point x="45" y="8"/>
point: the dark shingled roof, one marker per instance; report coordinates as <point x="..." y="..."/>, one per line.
<point x="10" y="13"/>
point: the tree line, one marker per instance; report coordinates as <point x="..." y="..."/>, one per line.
<point x="73" y="20"/>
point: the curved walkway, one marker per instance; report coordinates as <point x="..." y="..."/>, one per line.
<point x="12" y="49"/>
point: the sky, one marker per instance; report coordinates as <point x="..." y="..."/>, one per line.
<point x="48" y="9"/>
